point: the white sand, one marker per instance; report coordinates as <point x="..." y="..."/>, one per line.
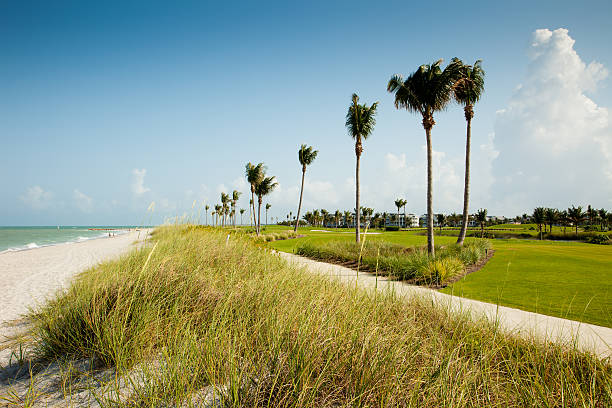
<point x="28" y="278"/>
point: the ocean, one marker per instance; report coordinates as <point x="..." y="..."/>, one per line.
<point x="24" y="238"/>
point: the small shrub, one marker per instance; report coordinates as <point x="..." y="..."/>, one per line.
<point x="391" y="228"/>
<point x="601" y="239"/>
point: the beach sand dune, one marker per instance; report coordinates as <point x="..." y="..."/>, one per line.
<point x="28" y="278"/>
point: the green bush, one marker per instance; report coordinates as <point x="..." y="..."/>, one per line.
<point x="392" y="228"/>
<point x="601" y="239"/>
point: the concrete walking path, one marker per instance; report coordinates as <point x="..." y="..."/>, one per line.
<point x="584" y="336"/>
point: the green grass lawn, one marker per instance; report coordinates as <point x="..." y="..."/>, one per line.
<point x="565" y="279"/>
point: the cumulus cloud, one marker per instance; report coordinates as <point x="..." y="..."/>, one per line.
<point x="37" y="198"/>
<point x="138" y="186"/>
<point x="554" y="141"/>
<point x="82" y="201"/>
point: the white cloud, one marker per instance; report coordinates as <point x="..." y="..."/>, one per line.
<point x="138" y="186"/>
<point x="37" y="198"/>
<point x="82" y="201"/>
<point x="554" y="142"/>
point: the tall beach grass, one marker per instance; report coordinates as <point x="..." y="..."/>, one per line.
<point x="195" y="310"/>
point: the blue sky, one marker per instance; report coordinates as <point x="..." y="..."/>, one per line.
<point x="107" y="107"/>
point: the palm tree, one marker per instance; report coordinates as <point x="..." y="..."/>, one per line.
<point x="217" y="212"/>
<point x="254" y="175"/>
<point x="337" y="216"/>
<point x="552" y="216"/>
<point x="576" y="216"/>
<point x="263" y="188"/>
<point x="481" y="217"/>
<point x="399" y="203"/>
<point x="603" y="216"/>
<point x="467" y="90"/>
<point x="206" y="208"/>
<point x="268" y="205"/>
<point x="347" y="217"/>
<point x="235" y="196"/>
<point x="426" y="91"/>
<point x="225" y="199"/>
<point x="360" y="121"/>
<point x="306" y="156"/>
<point x="242" y="210"/>
<point x="591" y="214"/>
<point x="539" y="217"/>
<point x="441" y="219"/>
<point x="324" y="216"/>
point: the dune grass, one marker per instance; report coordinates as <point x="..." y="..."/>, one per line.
<point x="192" y="311"/>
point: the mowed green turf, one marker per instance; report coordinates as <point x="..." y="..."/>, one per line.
<point x="564" y="279"/>
<point x="571" y="280"/>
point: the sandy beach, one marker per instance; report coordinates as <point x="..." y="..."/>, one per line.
<point x="30" y="277"/>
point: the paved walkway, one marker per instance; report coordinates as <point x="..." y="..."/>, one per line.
<point x="584" y="336"/>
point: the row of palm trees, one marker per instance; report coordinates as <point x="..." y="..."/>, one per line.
<point x="426" y="91"/>
<point x="573" y="216"/>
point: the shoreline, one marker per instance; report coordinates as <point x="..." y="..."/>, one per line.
<point x="31" y="277"/>
<point x="103" y="234"/>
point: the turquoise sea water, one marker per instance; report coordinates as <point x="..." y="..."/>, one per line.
<point x="23" y="238"/>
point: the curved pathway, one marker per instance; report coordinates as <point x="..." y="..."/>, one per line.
<point x="587" y="337"/>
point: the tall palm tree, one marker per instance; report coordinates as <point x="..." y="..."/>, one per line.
<point x="242" y="210"/>
<point x="254" y="175"/>
<point x="207" y="207"/>
<point x="481" y="217"/>
<point x="268" y="205"/>
<point x="426" y="91"/>
<point x="467" y="90"/>
<point x="539" y="217"/>
<point x="360" y="122"/>
<point x="251" y="212"/>
<point x="306" y="156"/>
<point x="576" y="216"/>
<point x="263" y="188"/>
<point x="235" y="196"/>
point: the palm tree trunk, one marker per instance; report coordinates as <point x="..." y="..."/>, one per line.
<point x="430" y="235"/>
<point x="297" y="221"/>
<point x="358" y="224"/>
<point x="253" y="205"/>
<point x="258" y="216"/>
<point x="466" y="185"/>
